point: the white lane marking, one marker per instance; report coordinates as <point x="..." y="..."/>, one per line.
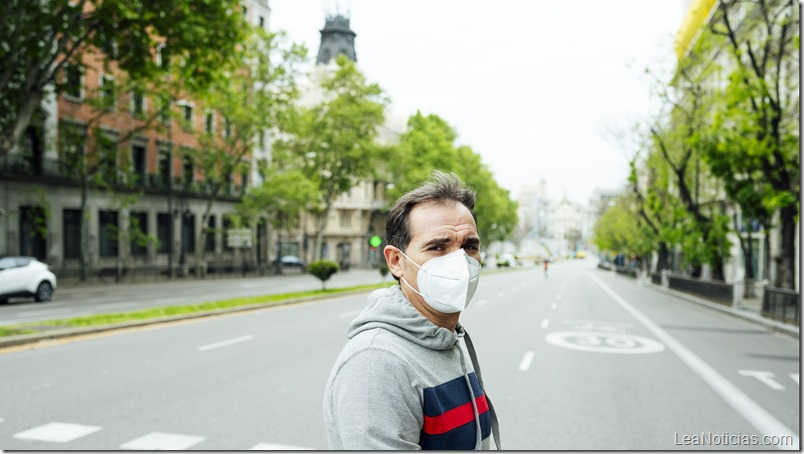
<point x="545" y="322"/>
<point x="501" y="294"/>
<point x="553" y="306"/>
<point x="760" y="418"/>
<point x="162" y="441"/>
<point x="558" y="297"/>
<point x="482" y="302"/>
<point x="225" y="343"/>
<point x="350" y="313"/>
<point x="275" y="447"/>
<point x="525" y="363"/>
<point x="794" y="377"/>
<point x="116" y="305"/>
<point x="28" y="314"/>
<point x="1" y="419"/>
<point x="58" y="432"/>
<point x="763" y="376"/>
<point x="604" y="342"/>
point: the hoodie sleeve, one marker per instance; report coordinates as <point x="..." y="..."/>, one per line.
<point x="373" y="403"/>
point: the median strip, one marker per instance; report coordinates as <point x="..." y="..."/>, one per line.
<point x="23" y="333"/>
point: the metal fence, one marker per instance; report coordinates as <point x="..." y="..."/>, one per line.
<point x="781" y="304"/>
<point x="656" y="278"/>
<point x="717" y="291"/>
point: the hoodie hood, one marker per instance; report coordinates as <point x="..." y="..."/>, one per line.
<point x="388" y="308"/>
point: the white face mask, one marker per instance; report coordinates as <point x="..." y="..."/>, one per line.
<point x="447" y="283"/>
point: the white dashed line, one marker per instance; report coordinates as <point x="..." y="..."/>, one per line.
<point x="553" y="306"/>
<point x="525" y="363"/>
<point x="793" y="377"/>
<point x="545" y="322"/>
<point x="482" y="302"/>
<point x="558" y="297"/>
<point x="57" y="432"/>
<point x="162" y="441"/>
<point x="501" y="294"/>
<point x="275" y="447"/>
<point x="225" y="343"/>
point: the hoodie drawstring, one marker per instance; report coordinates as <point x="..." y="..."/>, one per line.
<point x="495" y="427"/>
<point x="478" y="429"/>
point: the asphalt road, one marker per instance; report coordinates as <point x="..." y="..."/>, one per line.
<point x="579" y="360"/>
<point x="77" y="301"/>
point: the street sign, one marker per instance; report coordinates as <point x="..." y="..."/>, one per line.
<point x="238" y="238"/>
<point x="375" y="241"/>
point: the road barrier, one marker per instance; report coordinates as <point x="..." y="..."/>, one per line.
<point x="717" y="291"/>
<point x="656" y="278"/>
<point x="627" y="271"/>
<point x="781" y="304"/>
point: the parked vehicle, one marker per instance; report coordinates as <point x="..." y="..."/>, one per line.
<point x="292" y="261"/>
<point x="25" y="277"/>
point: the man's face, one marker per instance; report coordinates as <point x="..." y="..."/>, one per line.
<point x="436" y="230"/>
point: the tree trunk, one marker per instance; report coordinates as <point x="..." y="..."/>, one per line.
<point x="663" y="253"/>
<point x="785" y="275"/>
<point x="200" y="253"/>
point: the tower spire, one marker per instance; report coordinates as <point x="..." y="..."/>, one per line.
<point x="336" y="38"/>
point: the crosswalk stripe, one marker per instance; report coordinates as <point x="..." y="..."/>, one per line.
<point x="57" y="432"/>
<point x="162" y="441"/>
<point x="275" y="447"/>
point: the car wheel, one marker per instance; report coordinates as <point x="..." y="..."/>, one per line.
<point x="44" y="292"/>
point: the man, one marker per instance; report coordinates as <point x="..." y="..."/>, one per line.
<point x="408" y="378"/>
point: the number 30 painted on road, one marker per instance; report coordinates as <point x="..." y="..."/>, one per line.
<point x="604" y="342"/>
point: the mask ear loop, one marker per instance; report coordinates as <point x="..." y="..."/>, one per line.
<point x="405" y="280"/>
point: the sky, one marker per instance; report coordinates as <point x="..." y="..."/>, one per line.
<point x="539" y="89"/>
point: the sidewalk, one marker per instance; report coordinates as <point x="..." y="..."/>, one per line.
<point x="749" y="310"/>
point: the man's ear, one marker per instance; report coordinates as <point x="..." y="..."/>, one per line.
<point x="394" y="260"/>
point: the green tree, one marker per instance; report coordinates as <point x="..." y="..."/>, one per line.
<point x="754" y="142"/>
<point x="250" y="99"/>
<point x="333" y="142"/>
<point x="323" y="270"/>
<point x="39" y="39"/>
<point x="429" y="144"/>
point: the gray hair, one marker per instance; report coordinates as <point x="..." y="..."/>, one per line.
<point x="441" y="189"/>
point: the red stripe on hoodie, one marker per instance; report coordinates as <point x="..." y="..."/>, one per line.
<point x="456" y="417"/>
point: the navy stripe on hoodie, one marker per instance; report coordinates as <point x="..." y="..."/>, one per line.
<point x="443" y="401"/>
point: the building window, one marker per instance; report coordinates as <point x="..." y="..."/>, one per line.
<point x="72" y="139"/>
<point x="108" y="160"/>
<point x="209" y="122"/>
<point x="33" y="231"/>
<point x="346" y="218"/>
<point x="209" y="244"/>
<point x="73" y="82"/>
<point x="188" y="233"/>
<point x="107" y="91"/>
<point x="245" y="12"/>
<point x="107" y="233"/>
<point x="139" y="161"/>
<point x="227" y="224"/>
<point x="162" y="56"/>
<point x="262" y="22"/>
<point x="163" y="177"/>
<point x="137" y="103"/>
<point x="188" y="173"/>
<point x="186" y="115"/>
<point x="227" y="128"/>
<point x="164" y="232"/>
<point x="71" y="230"/>
<point x="138" y="232"/>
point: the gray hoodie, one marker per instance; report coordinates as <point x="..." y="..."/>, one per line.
<point x="402" y="382"/>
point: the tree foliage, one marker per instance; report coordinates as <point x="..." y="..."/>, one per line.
<point x="40" y="38"/>
<point x="333" y="142"/>
<point x="429" y="144"/>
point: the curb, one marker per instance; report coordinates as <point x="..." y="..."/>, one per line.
<point x="63" y="333"/>
<point x="770" y="325"/>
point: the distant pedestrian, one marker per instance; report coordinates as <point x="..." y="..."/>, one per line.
<point x="546" y="262"/>
<point x="408" y="378"/>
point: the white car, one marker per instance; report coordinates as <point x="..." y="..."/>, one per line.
<point x="26" y="276"/>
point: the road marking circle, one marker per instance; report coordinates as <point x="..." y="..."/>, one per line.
<point x="604" y="342"/>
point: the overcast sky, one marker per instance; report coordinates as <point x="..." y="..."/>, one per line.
<point x="534" y="86"/>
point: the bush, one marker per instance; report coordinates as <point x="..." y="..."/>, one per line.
<point x="323" y="270"/>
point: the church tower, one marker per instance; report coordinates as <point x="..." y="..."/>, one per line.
<point x="336" y="38"/>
